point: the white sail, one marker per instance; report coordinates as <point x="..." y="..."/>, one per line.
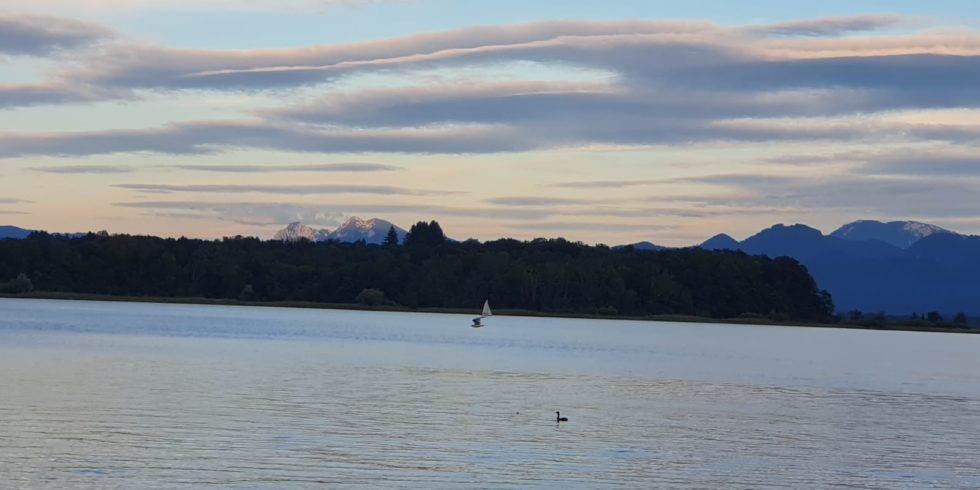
<point x="486" y="308"/>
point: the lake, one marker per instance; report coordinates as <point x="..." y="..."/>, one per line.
<point x="133" y="395"/>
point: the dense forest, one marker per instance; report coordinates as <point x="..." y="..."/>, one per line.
<point x="547" y="275"/>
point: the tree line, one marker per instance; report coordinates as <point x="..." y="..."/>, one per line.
<point x="882" y="320"/>
<point x="546" y="275"/>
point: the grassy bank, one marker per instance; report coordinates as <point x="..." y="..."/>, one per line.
<point x="473" y="311"/>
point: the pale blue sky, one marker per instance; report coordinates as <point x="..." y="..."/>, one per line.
<point x="610" y="122"/>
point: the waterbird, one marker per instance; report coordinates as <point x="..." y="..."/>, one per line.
<point x="560" y="418"/>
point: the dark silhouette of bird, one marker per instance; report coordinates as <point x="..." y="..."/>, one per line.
<point x="560" y="418"/>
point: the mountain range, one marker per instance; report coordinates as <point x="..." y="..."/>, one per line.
<point x="19" y="233"/>
<point x="355" y="229"/>
<point x="901" y="267"/>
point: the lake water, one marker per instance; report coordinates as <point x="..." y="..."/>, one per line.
<point x="130" y="395"/>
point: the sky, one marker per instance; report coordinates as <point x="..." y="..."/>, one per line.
<point x="602" y="122"/>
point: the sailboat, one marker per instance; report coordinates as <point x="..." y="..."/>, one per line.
<point x="486" y="312"/>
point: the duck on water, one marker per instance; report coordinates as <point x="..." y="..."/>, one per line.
<point x="559" y="418"/>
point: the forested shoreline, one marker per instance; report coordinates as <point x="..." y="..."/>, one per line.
<point x="550" y="276"/>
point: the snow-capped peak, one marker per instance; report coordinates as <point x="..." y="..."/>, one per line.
<point x="902" y="234"/>
<point x="354" y="229"/>
<point x="922" y="230"/>
<point x="358" y="223"/>
<point x="372" y="230"/>
<point x="296" y="231"/>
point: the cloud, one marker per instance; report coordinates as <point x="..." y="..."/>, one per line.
<point x="736" y="179"/>
<point x="669" y="82"/>
<point x="947" y="163"/>
<point x="282" y="189"/>
<point x="538" y="201"/>
<point x="664" y="207"/>
<point x="296" y="6"/>
<point x="247" y="213"/>
<point x="672" y="53"/>
<point x="915" y="80"/>
<point x="83" y="169"/>
<point x="852" y="193"/>
<point x="321" y="214"/>
<point x="210" y="137"/>
<point x="136" y="66"/>
<point x="496" y="102"/>
<point x="229" y="168"/>
<point x="813" y="158"/>
<point x="690" y="97"/>
<point x="13" y="212"/>
<point x="834" y="26"/>
<point x="631" y="208"/>
<point x="608" y="184"/>
<point x="321" y="167"/>
<point x="40" y="35"/>
<point x="53" y="92"/>
<point x="932" y="161"/>
<point x="281" y="213"/>
<point x="559" y="226"/>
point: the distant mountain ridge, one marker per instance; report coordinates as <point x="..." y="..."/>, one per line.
<point x="643" y="246"/>
<point x="808" y="244"/>
<point x="355" y="229"/>
<point x="16" y="232"/>
<point x="7" y="231"/>
<point x="720" y="241"/>
<point x="899" y="267"/>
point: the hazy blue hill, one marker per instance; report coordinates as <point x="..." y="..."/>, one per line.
<point x="901" y="234"/>
<point x="938" y="272"/>
<point x="948" y="249"/>
<point x="797" y="241"/>
<point x="720" y="241"/>
<point x="13" y="232"/>
<point x="643" y="246"/>
<point x="901" y="286"/>
<point x="810" y="246"/>
<point x="865" y="250"/>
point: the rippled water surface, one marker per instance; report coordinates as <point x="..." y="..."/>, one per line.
<point x="126" y="395"/>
